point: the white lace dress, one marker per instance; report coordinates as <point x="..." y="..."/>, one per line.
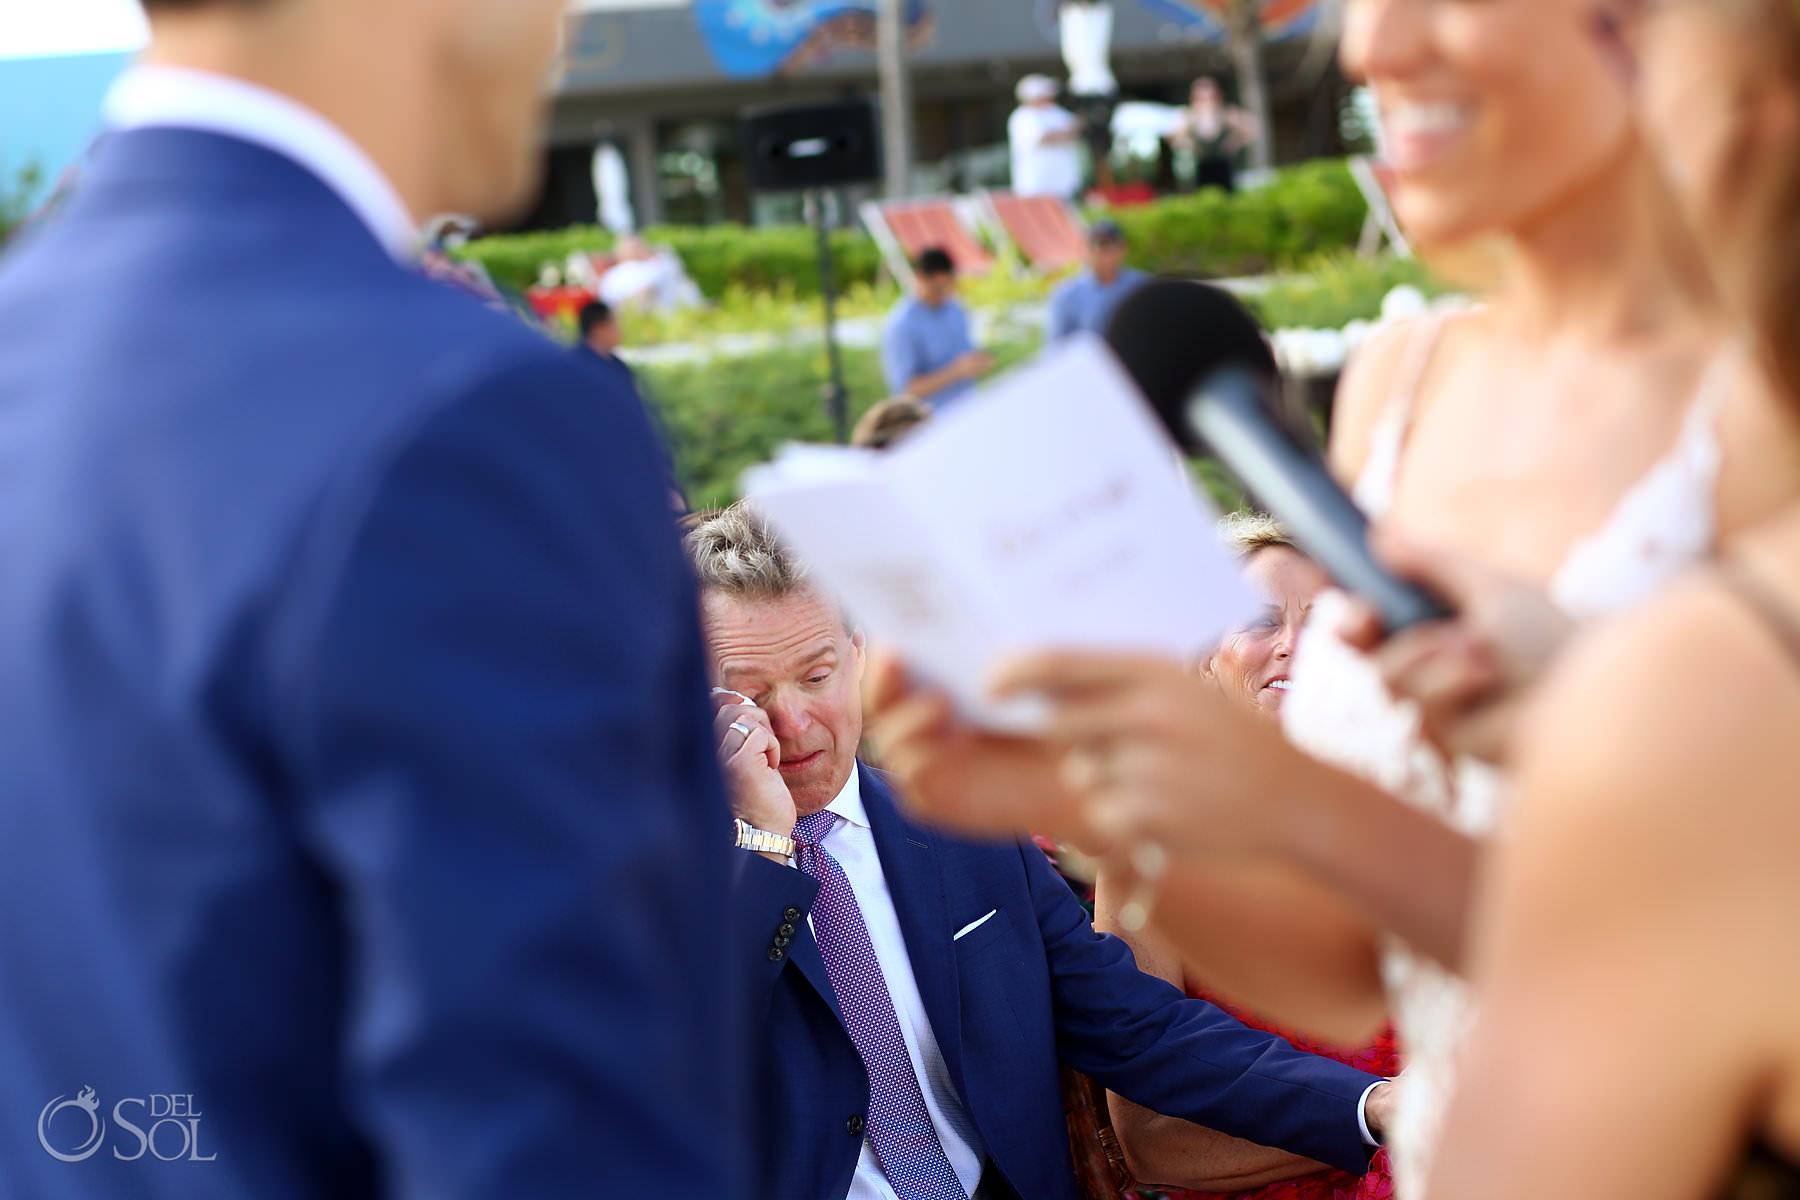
<point x="1339" y="711"/>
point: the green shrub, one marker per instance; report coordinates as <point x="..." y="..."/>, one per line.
<point x="729" y="414"/>
<point x="1309" y="209"/>
<point x="1337" y="289"/>
<point x="725" y="416"/>
<point x="717" y="257"/>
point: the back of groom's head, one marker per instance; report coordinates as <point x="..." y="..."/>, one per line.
<point x="449" y="97"/>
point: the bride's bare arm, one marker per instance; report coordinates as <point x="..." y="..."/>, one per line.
<point x="1175" y="762"/>
<point x="1635" y="951"/>
<point x="1409" y="872"/>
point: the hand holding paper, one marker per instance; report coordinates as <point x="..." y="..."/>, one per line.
<point x="1050" y="512"/>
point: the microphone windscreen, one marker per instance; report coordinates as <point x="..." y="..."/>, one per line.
<point x="1171" y="335"/>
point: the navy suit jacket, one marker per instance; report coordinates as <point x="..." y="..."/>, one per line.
<point x="1031" y="986"/>
<point x="355" y="769"/>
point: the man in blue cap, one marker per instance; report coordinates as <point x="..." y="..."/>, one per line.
<point x="1088" y="301"/>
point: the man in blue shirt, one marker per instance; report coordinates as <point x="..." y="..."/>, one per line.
<point x="927" y="351"/>
<point x="1088" y="301"/>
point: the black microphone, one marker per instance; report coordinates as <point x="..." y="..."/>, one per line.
<point x="1211" y="376"/>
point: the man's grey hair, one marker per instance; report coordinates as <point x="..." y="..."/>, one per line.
<point x="736" y="554"/>
<point x="1248" y="532"/>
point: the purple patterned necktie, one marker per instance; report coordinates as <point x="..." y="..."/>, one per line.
<point x="899" y="1127"/>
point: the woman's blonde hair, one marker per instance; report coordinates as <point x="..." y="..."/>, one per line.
<point x="1765" y="275"/>
<point x="1246" y="533"/>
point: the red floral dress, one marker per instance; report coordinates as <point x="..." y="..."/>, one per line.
<point x="1377" y="1183"/>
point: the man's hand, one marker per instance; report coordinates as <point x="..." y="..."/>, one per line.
<point x="1469" y="675"/>
<point x="1155" y="752"/>
<point x="1378" y="1113"/>
<point x="974" y="364"/>
<point x="752" y="763"/>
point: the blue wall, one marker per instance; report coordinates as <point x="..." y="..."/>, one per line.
<point x="50" y="111"/>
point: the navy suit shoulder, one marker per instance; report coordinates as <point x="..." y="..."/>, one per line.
<point x="1015" y="982"/>
<point x="352" y="692"/>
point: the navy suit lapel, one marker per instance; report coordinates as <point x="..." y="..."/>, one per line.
<point x="911" y="858"/>
<point x="804" y="953"/>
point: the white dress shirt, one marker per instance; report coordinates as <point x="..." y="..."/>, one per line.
<point x="171" y="97"/>
<point x="852" y="843"/>
<point x="1037" y="169"/>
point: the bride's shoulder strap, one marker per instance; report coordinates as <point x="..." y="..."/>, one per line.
<point x="1376" y="404"/>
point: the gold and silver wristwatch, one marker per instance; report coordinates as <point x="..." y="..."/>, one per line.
<point x="749" y="837"/>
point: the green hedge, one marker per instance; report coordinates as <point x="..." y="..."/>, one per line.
<point x="719" y="258"/>
<point x="722" y="419"/>
<point x="1309" y="209"/>
<point x="724" y="416"/>
<point x="1336" y="289"/>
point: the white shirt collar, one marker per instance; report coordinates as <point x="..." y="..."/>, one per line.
<point x="849" y="802"/>
<point x="146" y="96"/>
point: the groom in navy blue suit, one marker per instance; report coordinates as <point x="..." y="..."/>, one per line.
<point x="359" y="819"/>
<point x="915" y="993"/>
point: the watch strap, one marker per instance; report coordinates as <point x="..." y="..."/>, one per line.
<point x="749" y="837"/>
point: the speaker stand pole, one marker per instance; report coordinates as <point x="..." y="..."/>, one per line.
<point x="837" y="396"/>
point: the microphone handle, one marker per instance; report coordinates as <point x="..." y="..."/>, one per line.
<point x="1294" y="485"/>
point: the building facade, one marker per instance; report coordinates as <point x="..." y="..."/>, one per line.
<point x="666" y="82"/>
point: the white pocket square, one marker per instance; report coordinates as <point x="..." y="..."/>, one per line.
<point x="972" y="926"/>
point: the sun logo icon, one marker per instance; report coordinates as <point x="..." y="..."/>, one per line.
<point x="86" y="1101"/>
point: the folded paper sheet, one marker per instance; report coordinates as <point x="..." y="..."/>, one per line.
<point x="1051" y="511"/>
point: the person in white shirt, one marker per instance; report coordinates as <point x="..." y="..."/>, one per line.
<point x="648" y="277"/>
<point x="1044" y="137"/>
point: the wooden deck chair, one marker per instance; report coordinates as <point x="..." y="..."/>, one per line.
<point x="904" y="229"/>
<point x="1380" y="223"/>
<point x="1047" y="231"/>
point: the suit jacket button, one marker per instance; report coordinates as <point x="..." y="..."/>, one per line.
<point x="776" y="954"/>
<point x="786" y="930"/>
<point x="855" y="1125"/>
<point x="790" y="914"/>
<point x="781" y="943"/>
